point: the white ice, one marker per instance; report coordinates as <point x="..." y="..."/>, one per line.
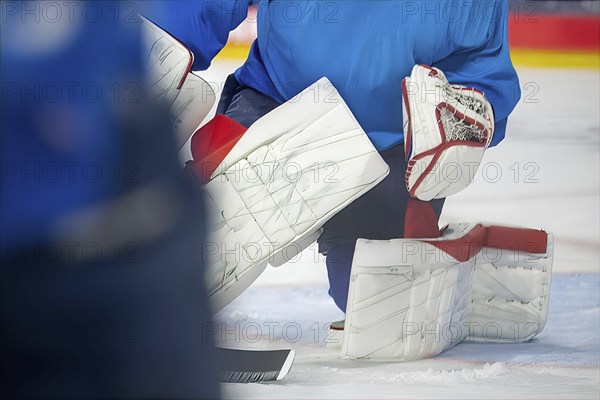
<point x="549" y="167"/>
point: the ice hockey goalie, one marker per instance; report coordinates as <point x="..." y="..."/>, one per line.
<point x="270" y="194"/>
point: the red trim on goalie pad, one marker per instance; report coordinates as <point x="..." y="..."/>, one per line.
<point x="212" y="142"/>
<point x="499" y="237"/>
<point x="420" y="220"/>
<point x="189" y="65"/>
<point x="466" y="247"/>
<point x="525" y="240"/>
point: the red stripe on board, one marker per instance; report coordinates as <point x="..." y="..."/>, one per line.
<point x="554" y="32"/>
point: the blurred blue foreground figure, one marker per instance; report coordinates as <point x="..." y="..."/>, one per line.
<point x="102" y="292"/>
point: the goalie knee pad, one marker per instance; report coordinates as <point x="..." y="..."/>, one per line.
<point x="279" y="182"/>
<point x="414" y="298"/>
<point x="446" y="131"/>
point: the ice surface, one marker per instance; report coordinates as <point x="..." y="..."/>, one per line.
<point x="550" y="167"/>
<point x="560" y="362"/>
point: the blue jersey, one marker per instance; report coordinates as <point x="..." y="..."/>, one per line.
<point x="364" y="48"/>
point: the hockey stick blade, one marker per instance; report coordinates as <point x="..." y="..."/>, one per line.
<point x="247" y="366"/>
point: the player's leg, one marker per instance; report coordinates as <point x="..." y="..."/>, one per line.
<point x="378" y="215"/>
<point x="339" y="264"/>
<point x="244" y="104"/>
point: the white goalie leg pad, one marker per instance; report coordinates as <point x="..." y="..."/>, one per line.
<point x="192" y="104"/>
<point x="290" y="172"/>
<point x="511" y="289"/>
<point x="411" y="299"/>
<point x="447" y="129"/>
<point x="172" y="83"/>
<point x="407" y="301"/>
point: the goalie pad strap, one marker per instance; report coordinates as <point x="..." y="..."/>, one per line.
<point x="420" y="220"/>
<point x="523" y="240"/>
<point x="496" y="237"/>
